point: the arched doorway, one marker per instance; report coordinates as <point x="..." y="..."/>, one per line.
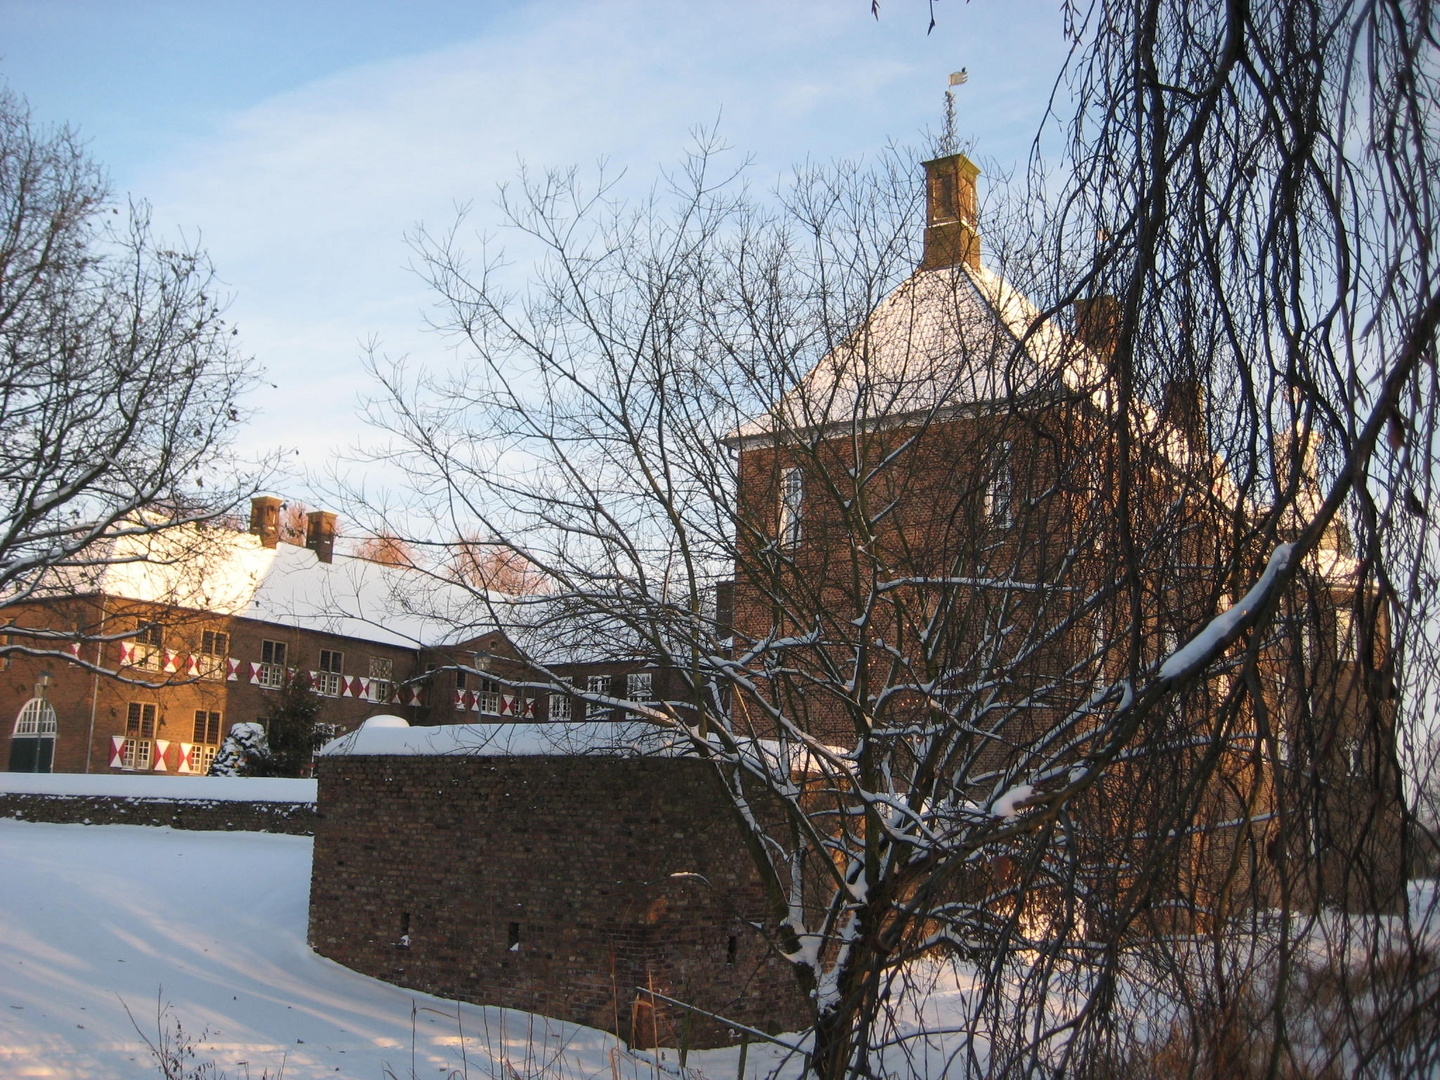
<point x="32" y="746"/>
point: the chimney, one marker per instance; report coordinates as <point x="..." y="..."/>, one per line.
<point x="320" y="534"/>
<point x="1097" y="323"/>
<point x="265" y="519"/>
<point x="1293" y="444"/>
<point x="950" y="213"/>
<point x="1183" y="409"/>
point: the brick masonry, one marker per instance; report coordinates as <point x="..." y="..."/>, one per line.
<point x="548" y="884"/>
<point x="221" y="815"/>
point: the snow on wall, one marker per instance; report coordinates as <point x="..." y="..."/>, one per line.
<point x="387" y="738"/>
<point x="149" y="786"/>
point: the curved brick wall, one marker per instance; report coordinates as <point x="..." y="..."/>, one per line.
<point x="545" y="883"/>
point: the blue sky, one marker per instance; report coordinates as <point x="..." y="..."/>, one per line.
<point x="300" y="141"/>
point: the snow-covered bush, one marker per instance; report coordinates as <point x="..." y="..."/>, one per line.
<point x="245" y="752"/>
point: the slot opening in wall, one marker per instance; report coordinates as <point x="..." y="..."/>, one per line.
<point x="404" y="941"/>
<point x="730" y="951"/>
<point x="513" y="937"/>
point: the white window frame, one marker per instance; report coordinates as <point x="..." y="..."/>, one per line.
<point x="487" y="698"/>
<point x="36" y="719"/>
<point x="214" y="652"/>
<point x="135" y="756"/>
<point x="560" y="707"/>
<point x="1000" y="486"/>
<point x="1345" y="650"/>
<point x="382" y="678"/>
<point x="640" y="686"/>
<point x="792" y="507"/>
<point x="137" y="752"/>
<point x="600" y="686"/>
<point x="329" y="678"/>
<point x="272" y="671"/>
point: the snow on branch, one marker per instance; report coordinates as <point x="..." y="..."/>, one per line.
<point x="1192" y="654"/>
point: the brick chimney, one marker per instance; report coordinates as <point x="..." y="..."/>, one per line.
<point x="950" y="213"/>
<point x="320" y="534"/>
<point x="1097" y="323"/>
<point x="265" y="519"/>
<point x="1183" y="409"/>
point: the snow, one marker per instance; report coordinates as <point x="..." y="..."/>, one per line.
<point x="1185" y="659"/>
<point x="96" y="915"/>
<point x="942" y="339"/>
<point x="591" y="737"/>
<point x="231" y="573"/>
<point x="243" y="750"/>
<point x="1009" y="805"/>
<point x="153" y="786"/>
<point x="386" y="721"/>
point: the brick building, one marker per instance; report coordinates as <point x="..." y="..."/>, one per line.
<point x="183" y="633"/>
<point x="935" y="505"/>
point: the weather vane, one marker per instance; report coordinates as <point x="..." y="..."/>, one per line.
<point x="947" y="139"/>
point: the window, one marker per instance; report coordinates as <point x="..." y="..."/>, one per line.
<point x="214" y="651"/>
<point x="149" y="646"/>
<point x="272" y="664"/>
<point x="382" y="678"/>
<point x="1344" y="635"/>
<point x="1000" y="491"/>
<point x="638" y="686"/>
<point x="599" y="685"/>
<point x="327" y="679"/>
<point x="488" y="697"/>
<point x="560" y="707"/>
<point x="32" y="744"/>
<point x="207" y="727"/>
<point x="206" y="739"/>
<point x="459" y="678"/>
<point x="139" y="735"/>
<point x="792" y="500"/>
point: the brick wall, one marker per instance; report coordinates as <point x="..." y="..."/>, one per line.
<point x="546" y="884"/>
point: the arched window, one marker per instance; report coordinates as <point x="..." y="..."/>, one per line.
<point x="32" y="746"/>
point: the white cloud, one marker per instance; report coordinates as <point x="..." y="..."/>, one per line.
<point x="304" y="199"/>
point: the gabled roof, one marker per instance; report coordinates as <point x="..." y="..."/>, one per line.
<point x="954" y="338"/>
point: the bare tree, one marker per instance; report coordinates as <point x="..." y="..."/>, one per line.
<point x="1082" y="642"/>
<point x="293" y="523"/>
<point x="386" y="549"/>
<point x="122" y="385"/>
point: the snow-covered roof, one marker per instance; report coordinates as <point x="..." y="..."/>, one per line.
<point x="955" y="337"/>
<point x="231" y="573"/>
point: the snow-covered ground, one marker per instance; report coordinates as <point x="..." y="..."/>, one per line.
<point x="94" y="918"/>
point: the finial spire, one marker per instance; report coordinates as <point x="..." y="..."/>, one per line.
<point x="947" y="137"/>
